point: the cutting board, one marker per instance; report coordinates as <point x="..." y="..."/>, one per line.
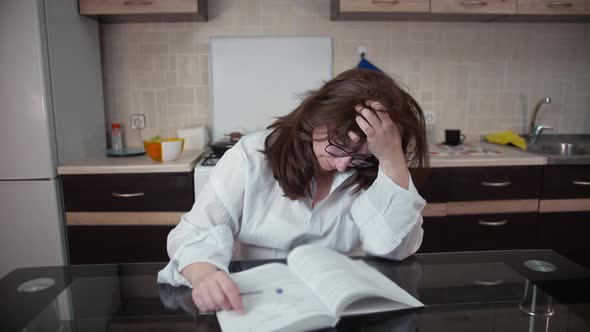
<point x="256" y="79"/>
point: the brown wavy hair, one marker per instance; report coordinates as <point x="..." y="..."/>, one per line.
<point x="288" y="148"/>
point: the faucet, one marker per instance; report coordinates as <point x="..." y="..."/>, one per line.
<point x="536" y="130"/>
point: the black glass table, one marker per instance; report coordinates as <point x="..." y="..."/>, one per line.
<point x="525" y="290"/>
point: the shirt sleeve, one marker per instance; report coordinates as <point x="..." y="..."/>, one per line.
<point x="389" y="218"/>
<point x="207" y="232"/>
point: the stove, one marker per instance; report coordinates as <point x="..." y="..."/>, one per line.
<point x="210" y="159"/>
<point x="203" y="171"/>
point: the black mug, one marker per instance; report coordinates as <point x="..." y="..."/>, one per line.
<point x="453" y="137"/>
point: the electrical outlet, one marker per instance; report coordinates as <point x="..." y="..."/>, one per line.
<point x="430" y="117"/>
<point x="361" y="50"/>
<point x="137" y="121"/>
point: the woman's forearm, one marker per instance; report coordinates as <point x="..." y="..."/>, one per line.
<point x="196" y="272"/>
<point x="396" y="169"/>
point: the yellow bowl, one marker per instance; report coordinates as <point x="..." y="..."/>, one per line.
<point x="167" y="150"/>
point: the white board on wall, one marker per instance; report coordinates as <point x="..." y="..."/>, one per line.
<point x="255" y="79"/>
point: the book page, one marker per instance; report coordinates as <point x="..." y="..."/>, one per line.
<point x="274" y="299"/>
<point x="339" y="281"/>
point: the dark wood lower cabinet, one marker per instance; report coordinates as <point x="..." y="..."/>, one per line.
<point x="567" y="233"/>
<point x="128" y="192"/>
<point x="480" y="232"/>
<point x="434" y="239"/>
<point x="117" y="244"/>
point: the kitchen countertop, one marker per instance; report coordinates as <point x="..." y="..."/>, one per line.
<point x="478" y="291"/>
<point x="102" y="164"/>
<point x="506" y="157"/>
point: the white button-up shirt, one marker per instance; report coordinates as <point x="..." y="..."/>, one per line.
<point x="243" y="203"/>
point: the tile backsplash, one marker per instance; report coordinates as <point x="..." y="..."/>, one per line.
<point x="479" y="77"/>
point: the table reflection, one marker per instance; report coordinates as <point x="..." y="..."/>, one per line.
<point x="462" y="292"/>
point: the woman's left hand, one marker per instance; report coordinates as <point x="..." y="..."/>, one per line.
<point x="384" y="141"/>
<point x="383" y="135"/>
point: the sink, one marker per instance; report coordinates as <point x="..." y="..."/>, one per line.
<point x="559" y="148"/>
<point x="571" y="149"/>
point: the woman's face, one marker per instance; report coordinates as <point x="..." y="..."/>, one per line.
<point x="325" y="160"/>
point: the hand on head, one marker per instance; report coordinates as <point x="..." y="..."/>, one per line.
<point x="383" y="135"/>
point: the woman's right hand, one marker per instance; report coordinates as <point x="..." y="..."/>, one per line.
<point x="217" y="291"/>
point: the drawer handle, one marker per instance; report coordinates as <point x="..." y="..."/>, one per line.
<point x="138" y="2"/>
<point x="473" y="3"/>
<point x="496" y="184"/>
<point x="581" y="183"/>
<point x="140" y="194"/>
<point x="559" y="5"/>
<point x="488" y="283"/>
<point x="493" y="223"/>
<point x="385" y="2"/>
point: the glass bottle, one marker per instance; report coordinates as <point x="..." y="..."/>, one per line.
<point x="116" y="137"/>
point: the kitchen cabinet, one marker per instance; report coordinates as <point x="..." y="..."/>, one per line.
<point x="474" y="232"/>
<point x="557" y="11"/>
<point x="566" y="188"/>
<point x="128" y="192"/>
<point x="479" y="208"/>
<point x="435" y="237"/>
<point x="384" y="10"/>
<point x="494" y="183"/>
<point x="145" y="10"/>
<point x="553" y="7"/>
<point x="117" y="244"/>
<point x="567" y="11"/>
<point x="473" y="6"/>
<point x="565" y="211"/>
<point x="385" y="6"/>
<point x="566" y="233"/>
<point x="566" y="182"/>
<point x="431" y="183"/>
<point x="491" y="231"/>
<point x="122" y="218"/>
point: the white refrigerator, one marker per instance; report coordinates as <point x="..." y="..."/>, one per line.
<point x="51" y="112"/>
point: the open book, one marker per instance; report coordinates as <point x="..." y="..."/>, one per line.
<point x="314" y="289"/>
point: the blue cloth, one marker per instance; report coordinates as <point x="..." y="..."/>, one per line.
<point x="366" y="64"/>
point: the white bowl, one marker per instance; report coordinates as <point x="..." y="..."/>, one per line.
<point x="171" y="150"/>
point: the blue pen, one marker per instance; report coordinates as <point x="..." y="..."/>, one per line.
<point x="278" y="291"/>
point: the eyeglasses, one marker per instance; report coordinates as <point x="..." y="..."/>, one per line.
<point x="358" y="160"/>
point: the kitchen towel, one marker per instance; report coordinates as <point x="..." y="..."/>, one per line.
<point x="507" y="137"/>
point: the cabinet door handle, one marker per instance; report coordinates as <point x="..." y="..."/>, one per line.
<point x="139" y="194"/>
<point x="559" y="4"/>
<point x="385" y="2"/>
<point x="492" y="223"/>
<point x="581" y="183"/>
<point x="496" y="184"/>
<point x="488" y="283"/>
<point x="473" y="3"/>
<point x="138" y="2"/>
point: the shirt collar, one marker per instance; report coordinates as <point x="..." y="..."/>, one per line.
<point x="339" y="178"/>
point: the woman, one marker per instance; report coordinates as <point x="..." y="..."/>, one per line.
<point x="332" y="172"/>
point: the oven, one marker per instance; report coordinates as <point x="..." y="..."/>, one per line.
<point x="203" y="171"/>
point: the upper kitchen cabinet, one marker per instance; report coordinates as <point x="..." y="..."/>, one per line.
<point x="568" y="11"/>
<point x="553" y="7"/>
<point x="361" y="10"/>
<point x="385" y="6"/>
<point x="473" y="6"/>
<point x="145" y="10"/>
